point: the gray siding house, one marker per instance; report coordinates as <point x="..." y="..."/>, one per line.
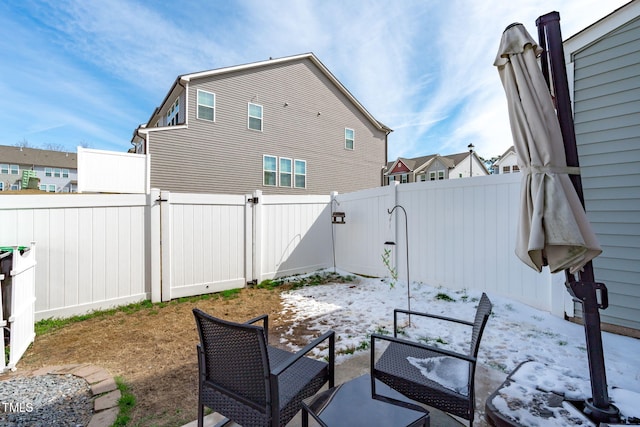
<point x="57" y="171"/>
<point x="603" y="63"/>
<point x="282" y="126"/>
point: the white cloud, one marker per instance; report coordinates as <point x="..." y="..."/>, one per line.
<point x="422" y="68"/>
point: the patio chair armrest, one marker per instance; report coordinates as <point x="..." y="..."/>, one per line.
<point x="442" y="351"/>
<point x="265" y="325"/>
<point x="264" y="318"/>
<point x="331" y="335"/>
<point x="422" y="314"/>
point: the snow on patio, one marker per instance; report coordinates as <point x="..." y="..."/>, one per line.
<point x="514" y="333"/>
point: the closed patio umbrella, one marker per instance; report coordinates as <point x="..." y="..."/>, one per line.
<point x="553" y="227"/>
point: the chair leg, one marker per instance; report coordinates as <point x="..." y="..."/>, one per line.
<point x="200" y="414"/>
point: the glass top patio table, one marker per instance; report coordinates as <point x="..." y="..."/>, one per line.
<point x="354" y="404"/>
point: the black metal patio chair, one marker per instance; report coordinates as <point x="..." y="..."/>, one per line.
<point x="395" y="367"/>
<point x="249" y="382"/>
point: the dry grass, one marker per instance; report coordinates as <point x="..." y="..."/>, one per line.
<point x="152" y="350"/>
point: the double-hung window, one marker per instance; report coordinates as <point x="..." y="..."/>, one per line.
<point x="172" y="113"/>
<point x="48" y="171"/>
<point x="206" y="105"/>
<point x="269" y="170"/>
<point x="349" y="138"/>
<point x="432" y="176"/>
<point x="300" y="174"/>
<point x="65" y="173"/>
<point x="285" y="172"/>
<point x="440" y="175"/>
<point x="255" y="117"/>
<point x="9" y="169"/>
<point x="57" y="173"/>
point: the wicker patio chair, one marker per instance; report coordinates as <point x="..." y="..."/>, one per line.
<point x="394" y="368"/>
<point x="249" y="382"/>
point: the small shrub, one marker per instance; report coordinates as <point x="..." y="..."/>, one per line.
<point x="444" y="297"/>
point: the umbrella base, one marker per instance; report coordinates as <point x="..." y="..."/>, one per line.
<point x="525" y="399"/>
<point x="608" y="415"/>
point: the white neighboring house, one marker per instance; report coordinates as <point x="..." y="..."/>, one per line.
<point x="56" y="170"/>
<point x="507" y="163"/>
<point x="434" y="167"/>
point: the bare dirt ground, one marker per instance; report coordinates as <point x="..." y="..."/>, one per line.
<point x="153" y="350"/>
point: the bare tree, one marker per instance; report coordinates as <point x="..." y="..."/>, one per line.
<point x="24" y="144"/>
<point x="54" y="147"/>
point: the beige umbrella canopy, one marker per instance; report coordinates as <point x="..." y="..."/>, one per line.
<point x="553" y="227"/>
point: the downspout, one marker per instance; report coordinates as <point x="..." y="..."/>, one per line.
<point x="186" y="99"/>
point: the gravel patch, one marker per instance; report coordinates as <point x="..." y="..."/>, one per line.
<point x="45" y="400"/>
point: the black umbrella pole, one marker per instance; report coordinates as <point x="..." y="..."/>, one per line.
<point x="593" y="296"/>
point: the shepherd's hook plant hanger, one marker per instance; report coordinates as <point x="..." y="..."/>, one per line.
<point x="406" y="241"/>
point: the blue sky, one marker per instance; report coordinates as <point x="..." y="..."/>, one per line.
<point x="84" y="72"/>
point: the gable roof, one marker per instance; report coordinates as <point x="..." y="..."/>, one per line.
<point x="510" y="151"/>
<point x="185" y="78"/>
<point x="37" y="157"/>
<point x="417" y="163"/>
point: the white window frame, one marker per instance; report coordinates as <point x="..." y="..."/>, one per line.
<point x="404" y="178"/>
<point x="249" y="116"/>
<point x="349" y="141"/>
<point x="275" y="171"/>
<point x="15" y="186"/>
<point x="57" y="173"/>
<point x="280" y="172"/>
<point x="296" y="174"/>
<point x="173" y="113"/>
<point x="212" y="107"/>
<point x="48" y="171"/>
<point x="506" y="169"/>
<point x="9" y="169"/>
<point x="440" y="174"/>
<point x="52" y="188"/>
<point x="65" y="173"/>
<point x="432" y="176"/>
<point x="1" y="186"/>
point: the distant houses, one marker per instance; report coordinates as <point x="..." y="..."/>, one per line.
<point x="507" y="162"/>
<point x="46" y="170"/>
<point x="434" y="167"/>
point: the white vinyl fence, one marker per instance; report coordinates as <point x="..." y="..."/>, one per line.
<point x="18" y="296"/>
<point x="103" y="250"/>
<point x="461" y="235"/>
<point x="91" y="248"/>
<point x="113" y="172"/>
